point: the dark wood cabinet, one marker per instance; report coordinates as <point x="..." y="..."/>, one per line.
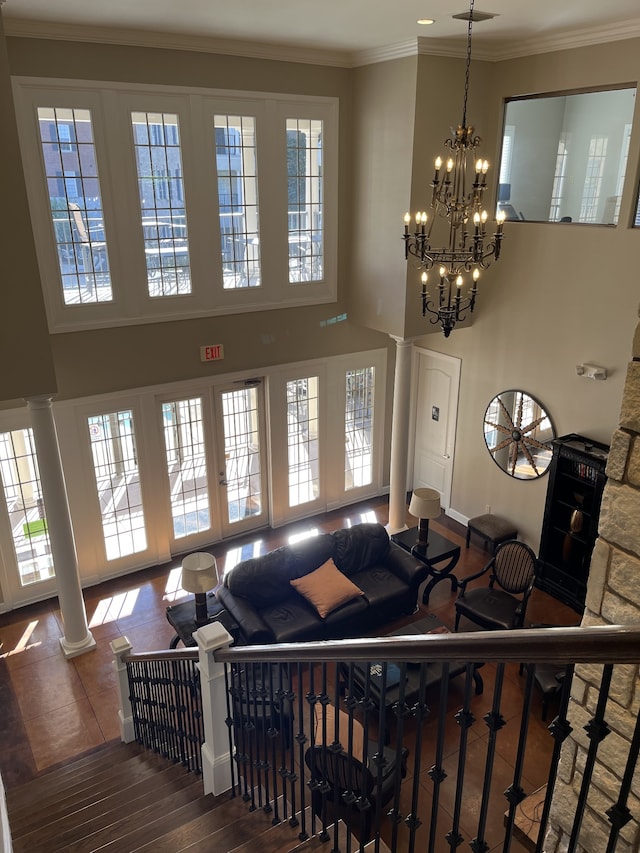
<point x="570" y="524"/>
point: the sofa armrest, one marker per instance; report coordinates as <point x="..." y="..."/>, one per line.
<point x="253" y="629"/>
<point x="408" y="568"/>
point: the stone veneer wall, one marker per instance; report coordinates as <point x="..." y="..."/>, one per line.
<point x="613" y="598"/>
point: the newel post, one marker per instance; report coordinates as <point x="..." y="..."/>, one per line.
<point x="120" y="647"/>
<point x="216" y="759"/>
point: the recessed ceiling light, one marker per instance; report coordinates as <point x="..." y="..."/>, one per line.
<point x="425" y="21"/>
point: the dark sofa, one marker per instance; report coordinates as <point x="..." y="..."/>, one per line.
<point x="258" y="593"/>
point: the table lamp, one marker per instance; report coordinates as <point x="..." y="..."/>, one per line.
<point x="425" y="504"/>
<point x="199" y="574"/>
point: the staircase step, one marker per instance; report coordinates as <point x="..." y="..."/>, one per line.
<point x="55" y="779"/>
<point x="132" y="830"/>
<point x="227" y="810"/>
<point x="276" y="838"/>
<point x="230" y="835"/>
<point x="73" y="797"/>
<point x="83" y="821"/>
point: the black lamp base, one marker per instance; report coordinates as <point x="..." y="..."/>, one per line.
<point x="202" y="616"/>
<point x="423" y="532"/>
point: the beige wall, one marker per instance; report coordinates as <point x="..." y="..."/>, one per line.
<point x="546" y="306"/>
<point x="384" y="110"/>
<point x="27" y="366"/>
<point x="560" y="295"/>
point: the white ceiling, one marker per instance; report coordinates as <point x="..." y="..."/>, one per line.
<point x="348" y="28"/>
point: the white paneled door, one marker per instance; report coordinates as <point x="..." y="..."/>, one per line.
<point x="437" y="383"/>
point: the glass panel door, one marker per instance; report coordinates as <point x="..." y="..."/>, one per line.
<point x="303" y="440"/>
<point x="115" y="462"/>
<point x="183" y="428"/>
<point x="242" y="478"/>
<point x="26" y="514"/>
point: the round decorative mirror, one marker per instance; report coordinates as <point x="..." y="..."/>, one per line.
<point x="518" y="433"/>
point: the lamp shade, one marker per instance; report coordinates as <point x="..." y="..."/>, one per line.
<point x="425" y="503"/>
<point x="199" y="572"/>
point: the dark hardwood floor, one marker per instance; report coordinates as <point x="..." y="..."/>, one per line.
<point x="53" y="709"/>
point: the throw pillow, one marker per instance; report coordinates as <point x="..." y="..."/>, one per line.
<point x="326" y="588"/>
<point x="343" y="730"/>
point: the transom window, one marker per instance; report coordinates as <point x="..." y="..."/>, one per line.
<point x="170" y="203"/>
<point x="164" y="222"/>
<point x="304" y="172"/>
<point x="238" y="200"/>
<point x="73" y="187"/>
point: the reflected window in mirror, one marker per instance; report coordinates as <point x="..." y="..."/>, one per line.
<point x="564" y="156"/>
<point x="518" y="433"/>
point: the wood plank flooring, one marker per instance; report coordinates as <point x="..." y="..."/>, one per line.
<point x="54" y="709"/>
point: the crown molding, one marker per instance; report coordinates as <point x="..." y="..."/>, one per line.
<point x="490" y="51"/>
<point x="22" y="28"/>
<point x="567" y="41"/>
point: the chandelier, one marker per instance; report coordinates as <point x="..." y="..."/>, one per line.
<point x="457" y="198"/>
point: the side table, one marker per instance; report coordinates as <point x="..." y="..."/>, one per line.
<point x="438" y="550"/>
<point x="183" y="618"/>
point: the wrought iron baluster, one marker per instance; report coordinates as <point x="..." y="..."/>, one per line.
<point x="597" y="730"/>
<point x="281" y="695"/>
<point x="287" y="737"/>
<point x="301" y="740"/>
<point x="229" y="722"/>
<point x="314" y="782"/>
<point x="245" y="700"/>
<point x="437" y="771"/>
<point x="402" y="712"/>
<point x="619" y="813"/>
<point x="465" y="720"/>
<point x="560" y="730"/>
<point x="494" y="721"/>
<point x="514" y="792"/>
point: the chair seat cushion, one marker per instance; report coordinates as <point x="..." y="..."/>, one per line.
<point x="491" y="608"/>
<point x="493" y="527"/>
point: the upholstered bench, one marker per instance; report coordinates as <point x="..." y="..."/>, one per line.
<point x="492" y="529"/>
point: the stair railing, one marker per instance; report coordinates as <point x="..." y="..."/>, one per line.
<point x="274" y="702"/>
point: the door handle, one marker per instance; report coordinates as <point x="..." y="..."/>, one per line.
<point x="446" y="456"/>
<point x="223" y="483"/>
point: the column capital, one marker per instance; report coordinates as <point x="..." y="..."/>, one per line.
<point x="402" y="342"/>
<point x="42" y="401"/>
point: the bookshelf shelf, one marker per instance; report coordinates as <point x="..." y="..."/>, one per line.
<point x="570" y="525"/>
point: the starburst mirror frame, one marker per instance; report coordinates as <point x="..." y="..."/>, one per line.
<point x="518" y="433"/>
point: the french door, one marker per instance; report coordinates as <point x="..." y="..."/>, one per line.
<point x="25" y="549"/>
<point x="242" y="476"/>
<point x="215" y="463"/>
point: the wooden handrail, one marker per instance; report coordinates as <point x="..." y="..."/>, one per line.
<point x="598" y="644"/>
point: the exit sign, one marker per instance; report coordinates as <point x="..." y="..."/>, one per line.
<point x="214" y="352"/>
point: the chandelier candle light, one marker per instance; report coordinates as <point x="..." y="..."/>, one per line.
<point x="458" y="200"/>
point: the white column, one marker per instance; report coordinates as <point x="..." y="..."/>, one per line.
<point x="77" y="638"/>
<point x="121" y="646"/>
<point x="400" y="437"/>
<point x="216" y="758"/>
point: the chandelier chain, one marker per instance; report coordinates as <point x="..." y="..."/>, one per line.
<point x="467" y="70"/>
